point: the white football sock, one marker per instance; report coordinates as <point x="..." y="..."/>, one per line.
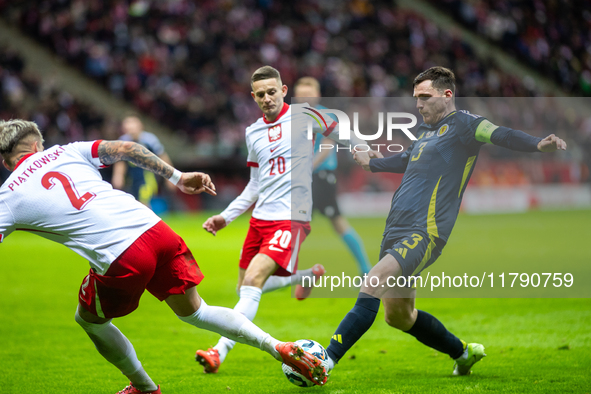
<point x="117" y="350"/>
<point x="276" y="282"/>
<point x="296" y="279"/>
<point x="248" y="305"/>
<point x="234" y="325"/>
<point x="331" y="364"/>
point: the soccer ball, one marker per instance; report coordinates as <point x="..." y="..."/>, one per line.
<point x="311" y="347"/>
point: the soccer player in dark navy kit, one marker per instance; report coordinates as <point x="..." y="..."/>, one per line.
<point x="436" y="170"/>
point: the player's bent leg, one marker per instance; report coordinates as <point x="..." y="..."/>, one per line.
<point x="428" y="330"/>
<point x="241" y="273"/>
<point x="185" y="304"/>
<point x="236" y="326"/>
<point x="259" y="269"/>
<point x="400" y="313"/>
<point x="251" y="280"/>
<point x="362" y="315"/>
<point x="116" y="349"/>
<point x="356" y="323"/>
<point x="224" y="321"/>
<point x="378" y="279"/>
<point x="248" y="305"/>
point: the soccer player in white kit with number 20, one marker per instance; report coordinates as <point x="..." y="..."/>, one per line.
<point x="59" y="194"/>
<point x="280" y="157"/>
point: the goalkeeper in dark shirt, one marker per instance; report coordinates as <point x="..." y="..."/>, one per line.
<point x="424" y="209"/>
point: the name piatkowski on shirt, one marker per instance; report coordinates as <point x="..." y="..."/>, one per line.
<point x="35" y="166"/>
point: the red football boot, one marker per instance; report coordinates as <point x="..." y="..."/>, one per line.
<point x="303" y="362"/>
<point x="210" y="360"/>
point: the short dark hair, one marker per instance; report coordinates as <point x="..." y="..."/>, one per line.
<point x="265" y="72"/>
<point x="441" y="78"/>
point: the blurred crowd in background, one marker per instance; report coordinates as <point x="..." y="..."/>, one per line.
<point x="188" y="64"/>
<point x="552" y="36"/>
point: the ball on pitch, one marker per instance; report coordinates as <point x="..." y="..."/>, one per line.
<point x="311" y="347"/>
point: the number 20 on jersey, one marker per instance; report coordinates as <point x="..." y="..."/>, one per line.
<point x="277" y="165"/>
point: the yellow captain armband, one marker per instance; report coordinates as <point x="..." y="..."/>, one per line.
<point x="484" y="131"/>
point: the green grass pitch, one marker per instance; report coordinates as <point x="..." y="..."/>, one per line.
<point x="536" y="345"/>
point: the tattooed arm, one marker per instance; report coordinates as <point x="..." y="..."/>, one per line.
<point x="110" y="152"/>
<point x="113" y="151"/>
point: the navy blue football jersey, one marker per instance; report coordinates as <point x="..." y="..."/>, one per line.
<point x="438" y="167"/>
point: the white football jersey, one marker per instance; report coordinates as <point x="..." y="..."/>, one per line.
<point x="60" y="195"/>
<point x="283" y="154"/>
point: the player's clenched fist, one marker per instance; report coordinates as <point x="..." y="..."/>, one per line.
<point x="363" y="158"/>
<point x="195" y="183"/>
<point x="214" y="224"/>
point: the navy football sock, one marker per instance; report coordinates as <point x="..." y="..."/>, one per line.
<point x="353" y="326"/>
<point x="431" y="332"/>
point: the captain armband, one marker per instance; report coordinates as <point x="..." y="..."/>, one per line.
<point x="484" y="131"/>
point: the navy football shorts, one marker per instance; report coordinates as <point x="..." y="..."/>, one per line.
<point x="414" y="249"/>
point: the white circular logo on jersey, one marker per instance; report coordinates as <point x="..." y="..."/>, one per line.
<point x="442" y="130"/>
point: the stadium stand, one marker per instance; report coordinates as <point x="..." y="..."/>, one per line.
<point x="62" y="117"/>
<point x="187" y="65"/>
<point x="548" y="35"/>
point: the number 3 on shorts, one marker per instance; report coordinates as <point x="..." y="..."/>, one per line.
<point x="416" y="238"/>
<point x="282" y="238"/>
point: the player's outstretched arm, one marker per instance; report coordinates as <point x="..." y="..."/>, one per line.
<point x="110" y="152"/>
<point x="516" y="139"/>
<point x="214" y="224"/>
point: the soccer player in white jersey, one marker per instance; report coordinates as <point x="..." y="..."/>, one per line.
<point x="59" y="194"/>
<point x="280" y="220"/>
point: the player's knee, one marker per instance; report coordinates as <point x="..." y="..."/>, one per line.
<point x="90" y="328"/>
<point x="253" y="280"/>
<point x="399" y="318"/>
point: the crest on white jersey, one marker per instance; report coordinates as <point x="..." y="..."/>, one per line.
<point x="275" y="133"/>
